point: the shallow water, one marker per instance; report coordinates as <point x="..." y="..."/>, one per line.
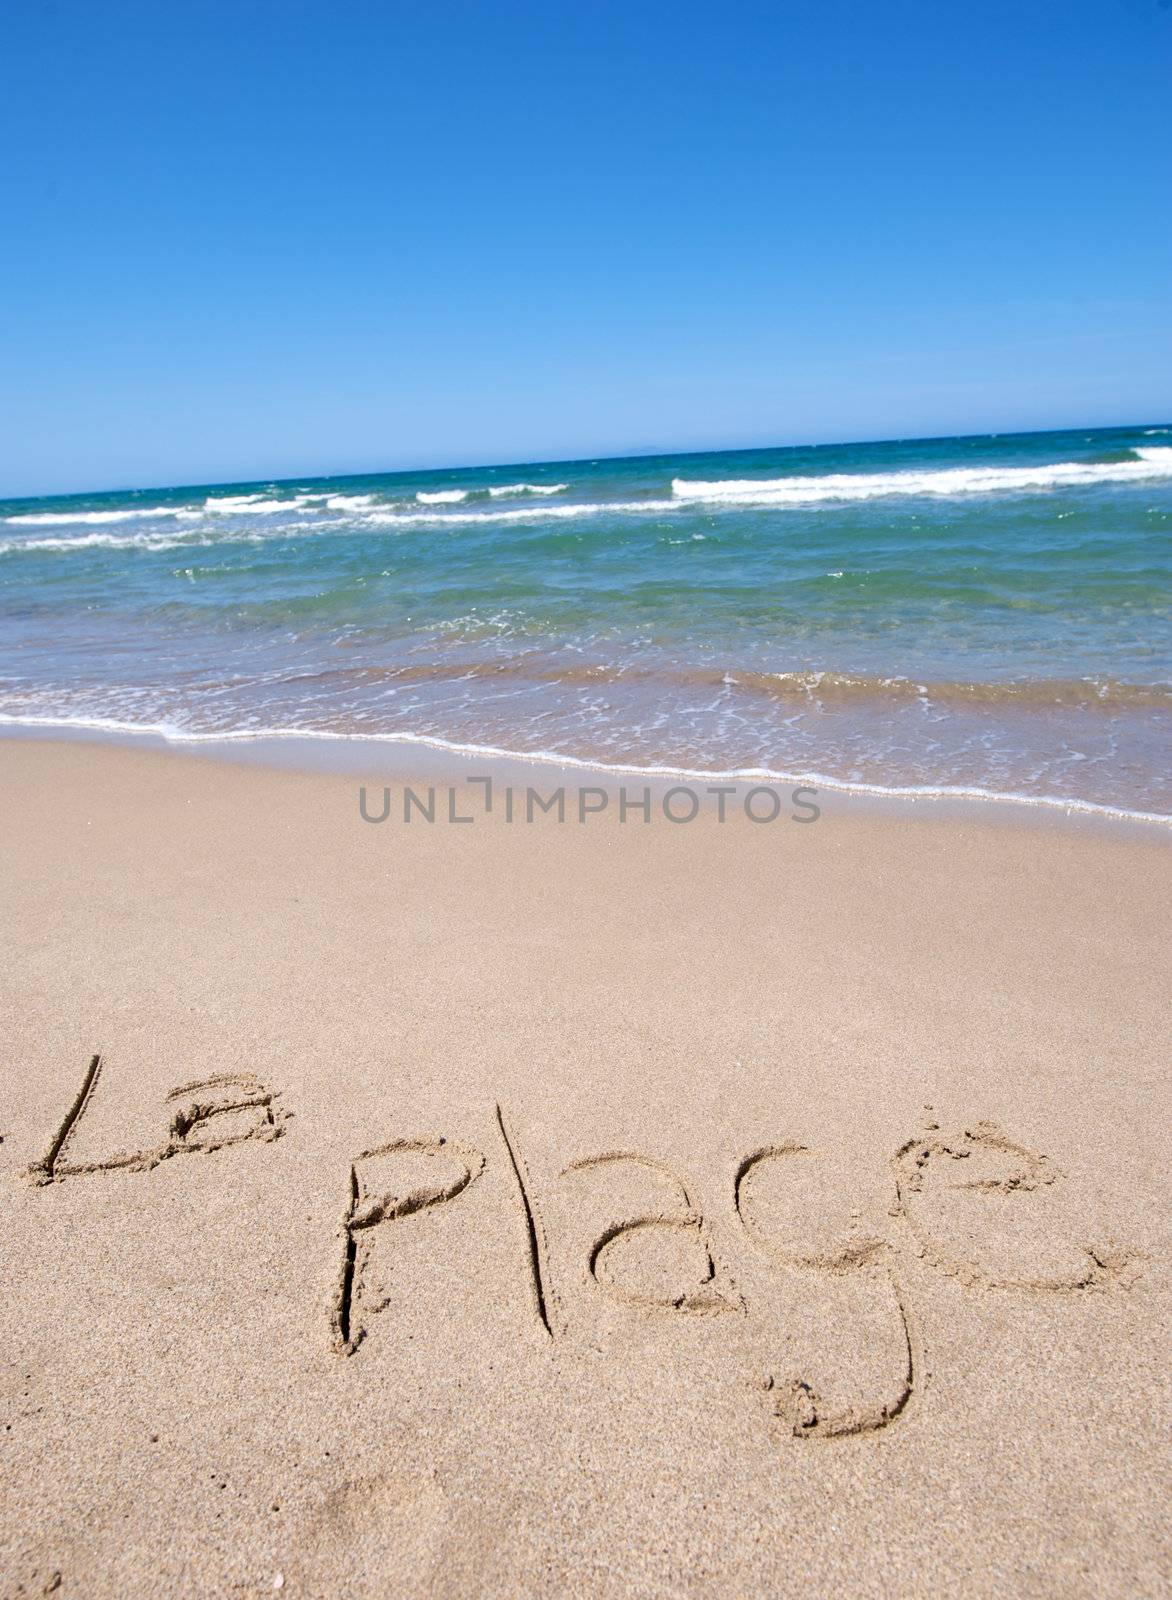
<point x="986" y="614"/>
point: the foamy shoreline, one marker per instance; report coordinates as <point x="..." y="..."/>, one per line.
<point x="415" y="755"/>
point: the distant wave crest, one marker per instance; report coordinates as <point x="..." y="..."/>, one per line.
<point x="1153" y="461"/>
<point x="497" y="491"/>
<point x="258" y="505"/>
<point x="582" y="508"/>
<point x="226" y="517"/>
<point x="360" y="520"/>
<point x="62" y="519"/>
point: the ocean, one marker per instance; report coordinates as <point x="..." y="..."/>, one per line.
<point x="985" y="615"/>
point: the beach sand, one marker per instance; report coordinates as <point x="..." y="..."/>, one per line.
<point x="702" y="1210"/>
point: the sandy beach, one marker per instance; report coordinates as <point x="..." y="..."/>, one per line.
<point x="565" y="1209"/>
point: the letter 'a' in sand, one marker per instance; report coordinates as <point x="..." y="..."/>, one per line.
<point x="207" y="1114"/>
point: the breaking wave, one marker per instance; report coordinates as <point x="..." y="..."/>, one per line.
<point x="1153" y="461"/>
<point x="499" y="490"/>
<point x="63" y="519"/>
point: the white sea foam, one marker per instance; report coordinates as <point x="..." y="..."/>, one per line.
<point x="348" y="502"/>
<point x="63" y="519"/>
<point x="1154" y="462"/>
<point x="501" y="489"/>
<point x="194" y="540"/>
<point x="584" y="508"/>
<point x="442" y="497"/>
<point x="103" y="541"/>
<point x="229" y="505"/>
<point x="363" y="520"/>
<point x="257" y="505"/>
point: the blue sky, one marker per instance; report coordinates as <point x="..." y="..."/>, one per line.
<point x="272" y="239"/>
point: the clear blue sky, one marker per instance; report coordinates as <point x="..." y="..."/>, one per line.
<point x="261" y="239"/>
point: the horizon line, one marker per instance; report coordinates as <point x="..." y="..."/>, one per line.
<point x="577" y="461"/>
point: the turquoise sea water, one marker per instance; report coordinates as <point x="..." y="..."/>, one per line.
<point x="985" y="613"/>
